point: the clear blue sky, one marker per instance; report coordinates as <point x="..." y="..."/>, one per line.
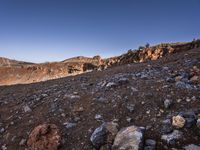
<point x="53" y="30"/>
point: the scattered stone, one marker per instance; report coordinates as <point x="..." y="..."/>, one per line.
<point x="110" y="84"/>
<point x="4" y="147"/>
<point x="63" y="115"/>
<point x="78" y="109"/>
<point x="98" y="117"/>
<point x="22" y="142"/>
<point x="178" y="121"/>
<point x="188" y="114"/>
<point x="72" y="96"/>
<point x="45" y="136"/>
<point x="44" y="95"/>
<point x="2" y="130"/>
<point x="178" y="78"/>
<point x="77" y="119"/>
<point x="115" y="120"/>
<point x="129" y="138"/>
<point x="13" y="138"/>
<point x="149" y="148"/>
<point x="134" y="89"/>
<point x="27" y="109"/>
<point x="198" y="123"/>
<point x="130" y="107"/>
<point x="104" y="134"/>
<point x="123" y="81"/>
<point x="167" y="103"/>
<point x="129" y="120"/>
<point x="194" y="78"/>
<point x="189" y="122"/>
<point x="54" y="107"/>
<point x="101" y="100"/>
<point x="171" y="138"/>
<point x="12" y="123"/>
<point x="148" y="111"/>
<point x="150" y="142"/>
<point x="161" y="110"/>
<point x="148" y="127"/>
<point x="144" y="76"/>
<point x="179" y="100"/>
<point x="165" y="68"/>
<point x="183" y="85"/>
<point x="166" y="127"/>
<point x="69" y="125"/>
<point x="106" y="147"/>
<point x="188" y="99"/>
<point x="192" y="147"/>
<point x="170" y="80"/>
<point x="193" y="98"/>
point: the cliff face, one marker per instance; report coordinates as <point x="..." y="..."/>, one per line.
<point x="151" y="53"/>
<point x="15" y="72"/>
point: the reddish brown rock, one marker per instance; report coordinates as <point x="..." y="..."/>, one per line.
<point x="44" y="137"/>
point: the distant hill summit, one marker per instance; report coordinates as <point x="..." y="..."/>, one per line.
<point x="19" y="72"/>
<point x="10" y="62"/>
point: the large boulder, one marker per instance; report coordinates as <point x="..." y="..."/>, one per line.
<point x="104" y="134"/>
<point x="129" y="138"/>
<point x="45" y="136"/>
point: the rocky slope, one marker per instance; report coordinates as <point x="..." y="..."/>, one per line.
<point x="151" y="53"/>
<point x="5" y="62"/>
<point x="16" y="72"/>
<point x="141" y="105"/>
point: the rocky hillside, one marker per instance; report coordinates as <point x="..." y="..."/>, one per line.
<point x="150" y="105"/>
<point x="5" y="62"/>
<point x="151" y="53"/>
<point x="16" y="72"/>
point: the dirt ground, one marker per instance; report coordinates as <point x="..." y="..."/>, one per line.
<point x="78" y="99"/>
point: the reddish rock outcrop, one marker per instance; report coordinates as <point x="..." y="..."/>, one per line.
<point x="44" y="137"/>
<point x="151" y="53"/>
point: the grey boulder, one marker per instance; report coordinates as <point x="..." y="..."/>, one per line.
<point x="129" y="138"/>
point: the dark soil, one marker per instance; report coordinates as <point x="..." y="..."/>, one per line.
<point x="77" y="99"/>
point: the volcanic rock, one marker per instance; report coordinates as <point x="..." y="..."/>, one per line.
<point x="166" y="126"/>
<point x="198" y="123"/>
<point x="178" y="121"/>
<point x="27" y="109"/>
<point x="192" y="147"/>
<point x="45" y="136"/>
<point x="129" y="138"/>
<point x="104" y="134"/>
<point x="167" y="103"/>
<point x="171" y="138"/>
